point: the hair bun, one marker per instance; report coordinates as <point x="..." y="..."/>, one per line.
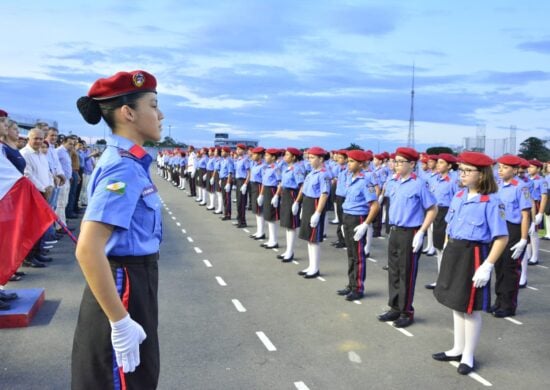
<point x="89" y="109"/>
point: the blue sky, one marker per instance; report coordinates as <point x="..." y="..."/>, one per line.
<point x="290" y="73"/>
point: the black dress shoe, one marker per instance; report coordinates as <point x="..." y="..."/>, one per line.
<point x="390" y="315"/>
<point x="385" y="268"/>
<point x="340" y="245"/>
<point x="262" y="237"/>
<point x="289" y="259"/>
<point x="271" y="246"/>
<point x="443" y="357"/>
<point x="8" y="296"/>
<point x="501" y="313"/>
<point x="312" y="276"/>
<point x="20" y="273"/>
<point x="217" y="212"/>
<point x="241" y="225"/>
<point x="523" y="285"/>
<point x="210" y="208"/>
<point x="302" y="273"/>
<point x="33" y="263"/>
<point x="464" y="369"/>
<point x="226" y="218"/>
<point x="43" y="259"/>
<point x="353" y="296"/>
<point x="493" y="308"/>
<point x="403" y="321"/>
<point x="344" y="291"/>
<point x="280" y="257"/>
<point x="430" y="286"/>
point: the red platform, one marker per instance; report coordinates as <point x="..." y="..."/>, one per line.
<point x="23" y="308"/>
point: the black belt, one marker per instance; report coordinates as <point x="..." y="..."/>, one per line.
<point x="465" y="242"/>
<point x="403" y="228"/>
<point x="128" y="260"/>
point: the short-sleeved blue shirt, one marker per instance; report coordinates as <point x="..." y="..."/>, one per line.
<point x="409" y="200"/>
<point x="121" y="194"/>
<point x="242" y="166"/>
<point x="316" y="183"/>
<point x="515" y="196"/>
<point x="359" y="195"/>
<point x="292" y="176"/>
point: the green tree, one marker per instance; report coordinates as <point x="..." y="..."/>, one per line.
<point x="534" y="147"/>
<point x="353" y="146"/>
<point x="101" y="142"/>
<point x="439" y="150"/>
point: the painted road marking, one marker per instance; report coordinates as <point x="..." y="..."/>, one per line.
<point x="265" y="340"/>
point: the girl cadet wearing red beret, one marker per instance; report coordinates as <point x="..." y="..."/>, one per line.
<point x="313" y="195"/>
<point x="270" y="181"/>
<point x="119" y="242"/>
<point x="477" y="236"/>
<point x="257" y="169"/>
<point x="292" y="178"/>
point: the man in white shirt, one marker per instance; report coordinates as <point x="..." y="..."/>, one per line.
<point x="63" y="153"/>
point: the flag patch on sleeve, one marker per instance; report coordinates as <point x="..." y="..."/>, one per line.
<point x="118" y="187"/>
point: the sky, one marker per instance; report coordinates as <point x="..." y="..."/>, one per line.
<point x="290" y="73"/>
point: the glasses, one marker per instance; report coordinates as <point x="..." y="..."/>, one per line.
<point x="467" y="171"/>
<point x="399" y="162"/>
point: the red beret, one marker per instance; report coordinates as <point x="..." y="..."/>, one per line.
<point x="3" y="114"/>
<point x="386" y="154"/>
<point x="433" y="157"/>
<point x="380" y="156"/>
<point x="123" y="83"/>
<point x="358" y="155"/>
<point x="536" y="163"/>
<point x="294" y="151"/>
<point x="476" y="159"/>
<point x="408" y="153"/>
<point x="226" y="149"/>
<point x="317" y="151"/>
<point x="447" y="157"/>
<point x="241" y="146"/>
<point x="343" y="152"/>
<point x="190" y="147"/>
<point x="273" y="151"/>
<point x="392" y="156"/>
<point x="369" y="155"/>
<point x="524" y="163"/>
<point x="258" y="149"/>
<point x="509" y="159"/>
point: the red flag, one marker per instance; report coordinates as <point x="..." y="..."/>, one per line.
<point x="24" y="217"/>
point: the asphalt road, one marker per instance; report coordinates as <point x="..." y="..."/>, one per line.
<point x="232" y="316"/>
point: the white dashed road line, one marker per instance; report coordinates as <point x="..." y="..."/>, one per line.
<point x="183" y="231"/>
<point x="542" y="266"/>
<point x="174" y="218"/>
<point x="295" y="262"/>
<point x="532" y="288"/>
<point x="354" y="357"/>
<point x="207" y="263"/>
<point x="246" y="231"/>
<point x="190" y="239"/>
<point x="265" y="340"/>
<point x="220" y="281"/>
<point x="372" y="260"/>
<point x="178" y="224"/>
<point x="474" y="376"/>
<point x="405" y="332"/>
<point x="238" y="305"/>
<point x="321" y="279"/>
<point x="301" y="386"/>
<point x="198" y="250"/>
<point x="513" y="321"/>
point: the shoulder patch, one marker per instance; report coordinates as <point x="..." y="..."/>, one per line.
<point x="137" y="151"/>
<point x="117" y="187"/>
<point x="484" y="198"/>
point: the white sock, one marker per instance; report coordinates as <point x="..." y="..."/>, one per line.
<point x="370" y="232"/>
<point x="309" y="256"/>
<point x="458" y="334"/>
<point x="335" y="220"/>
<point x="290" y="240"/>
<point x="535" y="244"/>
<point x="524" y="264"/>
<point x="472" y="331"/>
<point x="259" y="226"/>
<point x="210" y="200"/>
<point x="314" y="257"/>
<point x="219" y="197"/>
<point x="439" y="254"/>
<point x="430" y="239"/>
<point x="547" y="225"/>
<point x="272" y="231"/>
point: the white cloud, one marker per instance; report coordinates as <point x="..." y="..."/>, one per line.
<point x="296" y="134"/>
<point x="194" y="100"/>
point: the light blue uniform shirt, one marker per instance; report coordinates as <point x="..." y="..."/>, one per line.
<point x="444" y="189"/>
<point x="481" y="218"/>
<point x="358" y="195"/>
<point x="292" y="176"/>
<point x="242" y="166"/>
<point x="271" y="176"/>
<point x="122" y="194"/>
<point x="540" y="187"/>
<point x="257" y="171"/>
<point x="343" y="176"/>
<point x="316" y="183"/>
<point x="203" y="161"/>
<point x="409" y="201"/>
<point x="226" y="167"/>
<point x="515" y="196"/>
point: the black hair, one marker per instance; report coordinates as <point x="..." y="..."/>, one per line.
<point x="93" y="110"/>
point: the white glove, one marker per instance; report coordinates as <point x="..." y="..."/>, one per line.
<point x="260" y="200"/>
<point x="532" y="229"/>
<point x="518" y="248"/>
<point x="295" y="208"/>
<point x="204" y="177"/>
<point x="360" y="231"/>
<point x="417" y="241"/>
<point x="243" y="189"/>
<point x="275" y="201"/>
<point x="538" y="219"/>
<point x="227" y="187"/>
<point x="126" y="336"/>
<point x="343" y="231"/>
<point x="380" y="199"/>
<point x="212" y="181"/>
<point x="220" y="183"/>
<point x="314" y="220"/>
<point x="483" y="274"/>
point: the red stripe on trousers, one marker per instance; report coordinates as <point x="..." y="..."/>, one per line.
<point x="125" y="303"/>
<point x="315" y="228"/>
<point x="360" y="254"/>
